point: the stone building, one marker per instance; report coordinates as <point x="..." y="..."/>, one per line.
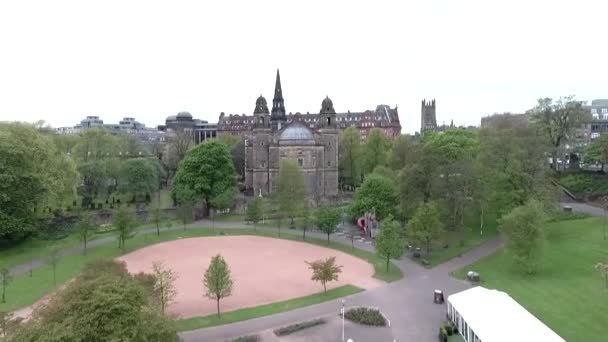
<point x="201" y="130"/>
<point x="272" y="138"/>
<point x="428" y="116"/>
<point x="383" y="117"/>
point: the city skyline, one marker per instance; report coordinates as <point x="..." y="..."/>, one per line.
<point x="149" y="61"/>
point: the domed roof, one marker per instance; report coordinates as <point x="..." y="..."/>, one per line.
<point x="327" y="106"/>
<point x="297" y="133"/>
<point x="260" y="106"/>
<point x="184" y="115"/>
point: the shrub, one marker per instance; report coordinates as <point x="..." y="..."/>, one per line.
<point x="105" y="228"/>
<point x="448" y="328"/>
<point x="566" y="216"/>
<point x="443" y="335"/>
<point x="366" y="316"/>
<point x="586" y="183"/>
<point x="290" y="329"/>
<point x="248" y="338"/>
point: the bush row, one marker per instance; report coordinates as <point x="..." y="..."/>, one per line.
<point x="366" y="316"/>
<point x="248" y="338"/>
<point x="290" y="329"/>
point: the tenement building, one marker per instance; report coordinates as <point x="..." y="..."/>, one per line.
<point x="272" y="136"/>
<point x="383" y="117"/>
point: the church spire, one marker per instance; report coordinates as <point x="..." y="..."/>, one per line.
<point x="278" y="104"/>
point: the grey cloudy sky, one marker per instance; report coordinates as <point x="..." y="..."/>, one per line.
<point x="63" y="60"/>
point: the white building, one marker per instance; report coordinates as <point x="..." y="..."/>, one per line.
<point x="493" y="316"/>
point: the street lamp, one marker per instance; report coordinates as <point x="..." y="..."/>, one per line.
<point x="343" y="302"/>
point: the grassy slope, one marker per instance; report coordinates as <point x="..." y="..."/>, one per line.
<point x="25" y="290"/>
<point x="265" y="310"/>
<point x="472" y="239"/>
<point x="567" y="293"/>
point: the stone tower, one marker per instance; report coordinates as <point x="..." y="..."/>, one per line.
<point x="261" y="117"/>
<point x="327" y="114"/>
<point x="277" y="115"/>
<point x="428" y="119"/>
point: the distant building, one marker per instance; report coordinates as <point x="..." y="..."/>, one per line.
<point x="201" y="129"/>
<point x="274" y="137"/>
<point x="127" y="125"/>
<point x="428" y="116"/>
<point x="599" y="121"/>
<point x="383" y="117"/>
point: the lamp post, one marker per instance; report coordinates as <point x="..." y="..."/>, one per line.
<point x="343" y="302"/>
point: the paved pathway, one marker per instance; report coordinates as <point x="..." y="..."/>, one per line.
<point x="407" y="302"/>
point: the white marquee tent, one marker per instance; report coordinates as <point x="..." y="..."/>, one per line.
<point x="493" y="316"/>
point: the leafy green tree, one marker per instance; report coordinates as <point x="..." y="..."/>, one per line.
<point x="558" y="120"/>
<point x="124" y="223"/>
<point x="158" y="217"/>
<point x="324" y="271"/>
<point x="389" y="242"/>
<point x="291" y="188"/>
<point x="377" y="193"/>
<point x="375" y="150"/>
<point x="95" y="144"/>
<point x="138" y="176"/>
<point x="205" y="173"/>
<point x="164" y="285"/>
<point x="94" y="181"/>
<point x="403" y="153"/>
<point x="86" y="227"/>
<point x="305" y="220"/>
<point x="425" y="227"/>
<point x="118" y="306"/>
<point x="327" y="220"/>
<point x="236" y="146"/>
<point x="350" y="156"/>
<point x="254" y="211"/>
<point x="5" y="279"/>
<point x="523" y="227"/>
<point x="179" y="142"/>
<point x="217" y="280"/>
<point x="597" y="151"/>
<point x="603" y="270"/>
<point x="33" y="175"/>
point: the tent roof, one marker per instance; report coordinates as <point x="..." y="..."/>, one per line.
<point x="496" y="317"/>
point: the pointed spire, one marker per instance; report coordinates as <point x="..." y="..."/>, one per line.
<point x="278" y="104"/>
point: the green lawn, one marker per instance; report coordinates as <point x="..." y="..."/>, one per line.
<point x="566" y="293"/>
<point x="25" y="290"/>
<point x="472" y="239"/>
<point x="265" y="310"/>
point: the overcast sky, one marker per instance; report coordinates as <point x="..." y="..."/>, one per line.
<point x="63" y="60"/>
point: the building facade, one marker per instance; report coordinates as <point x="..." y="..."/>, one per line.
<point x="428" y="116"/>
<point x="272" y="137"/>
<point x="598" y="124"/>
<point x="201" y="130"/>
<point x="383" y="117"/>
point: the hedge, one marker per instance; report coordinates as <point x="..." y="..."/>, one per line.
<point x="290" y="329"/>
<point x="366" y="316"/>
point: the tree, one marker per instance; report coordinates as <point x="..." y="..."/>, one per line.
<point x="350" y="156"/>
<point x="403" y="153"/>
<point x="375" y="150"/>
<point x="603" y="270"/>
<point x="158" y="217"/>
<point x="94" y="181"/>
<point x="101" y="307"/>
<point x="217" y="280"/>
<point x="124" y="223"/>
<point x="164" y="286"/>
<point x="305" y="219"/>
<point x="138" y="176"/>
<point x="597" y="151"/>
<point x="86" y="226"/>
<point x="95" y="144"/>
<point x="425" y="226"/>
<point x="523" y="227"/>
<point x="5" y="279"/>
<point x="179" y="142"/>
<point x="324" y="270"/>
<point x="376" y="193"/>
<point x="236" y="146"/>
<point x="33" y="176"/>
<point x="291" y="188"/>
<point x="389" y="242"/>
<point x="558" y="120"/>
<point x="225" y="200"/>
<point x="327" y="219"/>
<point x="205" y="173"/>
<point x="53" y="260"/>
<point x="254" y="211"/>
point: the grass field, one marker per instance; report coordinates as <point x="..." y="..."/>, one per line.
<point x="265" y="310"/>
<point x="25" y="290"/>
<point x="566" y="293"/>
